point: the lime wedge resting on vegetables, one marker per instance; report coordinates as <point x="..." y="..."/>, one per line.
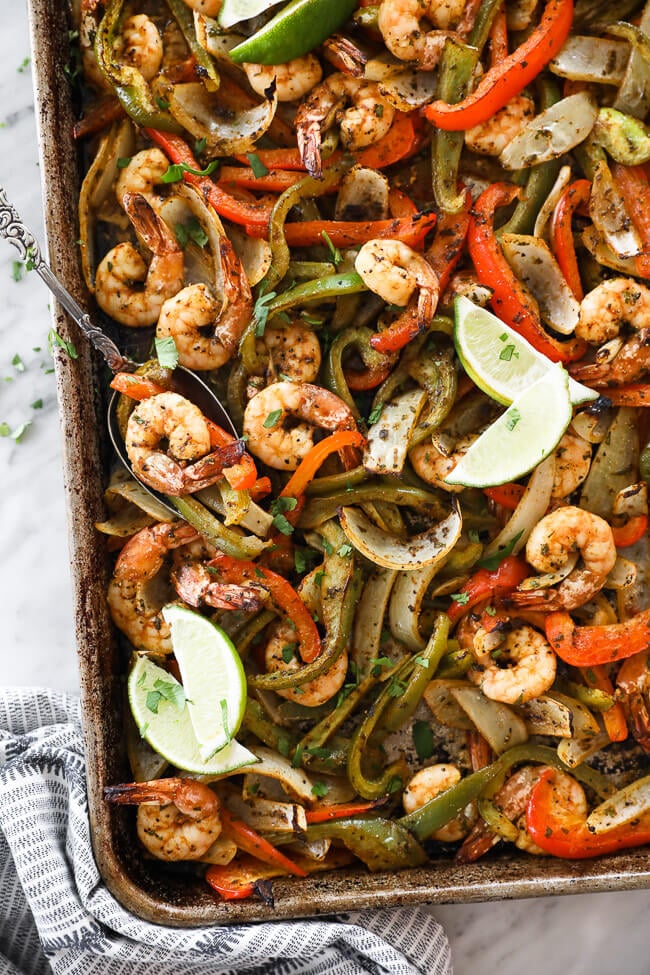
<point x="163" y="719"/>
<point x="234" y="11"/>
<point x="213" y="677"/>
<point x="528" y="431"/>
<point x="498" y="359"/>
<point x="296" y="29"/>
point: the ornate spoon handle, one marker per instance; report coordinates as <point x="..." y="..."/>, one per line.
<point x="14" y="230"/>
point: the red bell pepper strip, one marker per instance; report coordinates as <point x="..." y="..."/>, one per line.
<point x="98" y="117"/>
<point x="261" y="488"/>
<point x="508" y="78"/>
<point x="633" y="183"/>
<point x="573" y="196"/>
<point x="631" y="532"/>
<point x="248" y="214"/>
<point x="275" y="181"/>
<point x="587" y="646"/>
<point x="347" y="233"/>
<point x="242" y="878"/>
<point x="489" y="584"/>
<point x="510" y="299"/>
<point x="135" y="387"/>
<point x="400" y="204"/>
<point x="316" y="456"/>
<point x="563" y="833"/>
<point x="238" y="571"/>
<point x="507" y="495"/>
<point x="614" y="718"/>
<point x="248" y="840"/>
<point x="341" y="810"/>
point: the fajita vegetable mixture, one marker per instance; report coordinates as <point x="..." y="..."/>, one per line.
<point x="402" y="607"/>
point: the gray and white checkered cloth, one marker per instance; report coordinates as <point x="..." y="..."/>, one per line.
<point x="55" y="910"/>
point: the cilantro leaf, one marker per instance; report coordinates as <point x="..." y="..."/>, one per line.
<point x="152" y="701"/>
<point x="256" y="164"/>
<point x="174" y="173"/>
<point x="282" y="504"/>
<point x="492" y="562"/>
<point x="54" y="339"/>
<point x="261" y="311"/>
<point x="319" y="789"/>
<point x="462" y="598"/>
<point x="376" y="413"/>
<point x="335" y="253"/>
<point x="172" y="692"/>
<point x="285" y="527"/>
<point x="166" y="352"/>
<point x="272" y="419"/>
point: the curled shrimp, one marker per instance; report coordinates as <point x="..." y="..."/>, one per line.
<point x="604" y="312"/>
<point x="293" y="80"/>
<point x="142" y="175"/>
<point x="197" y="587"/>
<point x="140" y="45"/>
<point x="188" y="316"/>
<point x="368" y="118"/>
<point x="279" y="656"/>
<point x="128" y="290"/>
<point x="491" y="137"/>
<point x="137" y="591"/>
<point x="433" y="466"/>
<point x="555" y="540"/>
<point x="283" y="446"/>
<point x="428" y="783"/>
<point x="402" y="24"/>
<point x="188" y="465"/>
<point x="524" y="668"/>
<point x="294" y="352"/>
<point x="177" y="819"/>
<point x="511" y="800"/>
<point x="633" y="683"/>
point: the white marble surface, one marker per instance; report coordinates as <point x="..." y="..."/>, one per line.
<point x="587" y="935"/>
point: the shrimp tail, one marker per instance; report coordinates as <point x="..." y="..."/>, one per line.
<point x="238" y="301"/>
<point x="195" y="586"/>
<point x="134" y="793"/>
<point x="206" y="471"/>
<point x="309" y="145"/>
<point x="154" y="232"/>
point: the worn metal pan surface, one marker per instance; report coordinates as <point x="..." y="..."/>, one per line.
<point x="146" y="888"/>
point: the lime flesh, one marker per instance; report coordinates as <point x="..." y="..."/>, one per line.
<point x="234" y="11"/>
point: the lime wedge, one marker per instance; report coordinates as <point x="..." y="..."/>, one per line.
<point x="297" y="28"/>
<point x="234" y="11"/>
<point x="163" y="719"/>
<point x="498" y="359"/>
<point x="528" y="431"/>
<point x="213" y="677"/>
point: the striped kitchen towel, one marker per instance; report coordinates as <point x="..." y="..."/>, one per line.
<point x="56" y="913"/>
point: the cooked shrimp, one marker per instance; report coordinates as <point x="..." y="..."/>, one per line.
<point x="140" y="45"/>
<point x="142" y="175"/>
<point x="197" y="587"/>
<point x="138" y="591"/>
<point x="428" y="783"/>
<point x="128" y="290"/>
<point x="187" y="316"/>
<point x="188" y="465"/>
<point x="511" y="800"/>
<point x="283" y="446"/>
<point x="633" y="683"/>
<point x="532" y="672"/>
<point x="178" y="819"/>
<point x="210" y="8"/>
<point x="279" y="655"/>
<point x="556" y="539"/>
<point x="572" y="463"/>
<point x="467" y="284"/>
<point x="490" y="138"/>
<point x="364" y="123"/>
<point x="405" y="35"/>
<point x="613" y="304"/>
<point x="292" y="80"/>
<point x="294" y="352"/>
<point x="433" y="467"/>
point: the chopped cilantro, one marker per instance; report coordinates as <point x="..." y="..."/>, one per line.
<point x="37" y="404"/>
<point x="166" y="352"/>
<point x="376" y="413"/>
<point x="395" y="784"/>
<point x="513" y="416"/>
<point x="256" y="164"/>
<point x="272" y="419"/>
<point x="492" y="562"/>
<point x="171" y="691"/>
<point x="5" y="430"/>
<point x="261" y="311"/>
<point x="20" y="431"/>
<point x="192" y="230"/>
<point x="284" y="745"/>
<point x="23" y="65"/>
<point x="199" y="146"/>
<point x="318" y="752"/>
<point x="462" y="598"/>
<point x="123" y="162"/>
<point x="54" y="339"/>
<point x="152" y="701"/>
<point x="396" y="687"/>
<point x="302" y="559"/>
<point x="319" y="789"/>
<point x="282" y="524"/>
<point x="296" y="761"/>
<point x="335" y="253"/>
<point x="378" y="663"/>
<point x="508" y="353"/>
<point x="17" y="269"/>
<point x="289" y="652"/>
<point x="345" y="551"/>
<point x="162" y="103"/>
<point x="18" y="363"/>
<point x="174" y="173"/>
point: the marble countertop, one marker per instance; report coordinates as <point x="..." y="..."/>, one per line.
<point x="593" y="934"/>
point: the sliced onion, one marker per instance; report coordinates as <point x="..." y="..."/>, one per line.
<point x="622" y="808"/>
<point x="254" y="519"/>
<point x="444" y="706"/>
<point x="363" y="195"/>
<point x="593" y="427"/>
<point x="609" y="214"/>
<point x="226" y="133"/>
<point x="268" y="815"/>
<point x="429" y="548"/>
<point x="188" y="202"/>
<point x="545" y="716"/>
<point x="622" y="576"/>
<point x="632" y="501"/>
<point x="255" y="254"/>
<point x="213" y="40"/>
<point x="543" y="219"/>
<point x="549" y="578"/>
<point x="529" y="511"/>
<point x="593" y="59"/>
<point x="553" y="132"/>
<point x="131" y="507"/>
<point x="603" y="253"/>
<point x="404" y="88"/>
<point x="388" y="438"/>
<point x="574" y="752"/>
<point x="611" y="468"/>
<point x="315" y="850"/>
<point x="272" y="765"/>
<point x="634" y="92"/>
<point x="501" y="727"/>
<point x="533" y="262"/>
<point x="222" y="852"/>
<point x="369" y="618"/>
<point x="405" y="604"/>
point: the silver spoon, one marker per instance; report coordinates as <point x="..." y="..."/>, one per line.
<point x="186" y="382"/>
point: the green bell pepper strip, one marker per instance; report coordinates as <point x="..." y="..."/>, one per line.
<point x="437" y="812"/>
<point x="132" y="90"/>
<point x="437" y="375"/>
<point x="225" y="539"/>
<point x="236" y="394"/>
<point x="298" y="28"/>
<point x="321" y="732"/>
<point x="625" y="138"/>
<point x="425" y="664"/>
<point x="375" y="788"/>
<point x="308" y="270"/>
<point x="185" y="20"/>
<point x="357" y="337"/>
<point x="409" y="359"/>
<point x="455" y="664"/>
<point x="388" y="490"/>
<point x="257" y="722"/>
<point x="382" y="844"/>
<point x="333" y="286"/>
<point x="333" y="483"/>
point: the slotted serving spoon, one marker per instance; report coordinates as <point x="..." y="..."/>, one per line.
<point x="186" y="382"/>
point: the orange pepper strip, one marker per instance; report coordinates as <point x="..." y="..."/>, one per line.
<point x="563" y="833"/>
<point x="239" y="571"/>
<point x="507" y="79"/>
<point x="400" y="204"/>
<point x="564" y="249"/>
<point x="276" y="180"/>
<point x="247" y="214"/>
<point x="239" y="879"/>
<point x="261" y="488"/>
<point x="632" y="181"/>
<point x="135" y="387"/>
<point x="588" y="646"/>
<point x="614" y="719"/>
<point x="347" y="233"/>
<point x="489" y="584"/>
<point x="630" y="533"/>
<point x="248" y="840"/>
<point x="510" y="300"/>
<point x="315" y="456"/>
<point x="507" y="495"/>
<point x="499" y="38"/>
<point x="341" y="811"/>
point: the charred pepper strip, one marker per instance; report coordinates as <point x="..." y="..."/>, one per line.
<point x="574" y="196"/>
<point x="339" y="380"/>
<point x="382" y="844"/>
<point x="185" y="20"/>
<point x="425" y="664"/>
<point x="587" y="646"/>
